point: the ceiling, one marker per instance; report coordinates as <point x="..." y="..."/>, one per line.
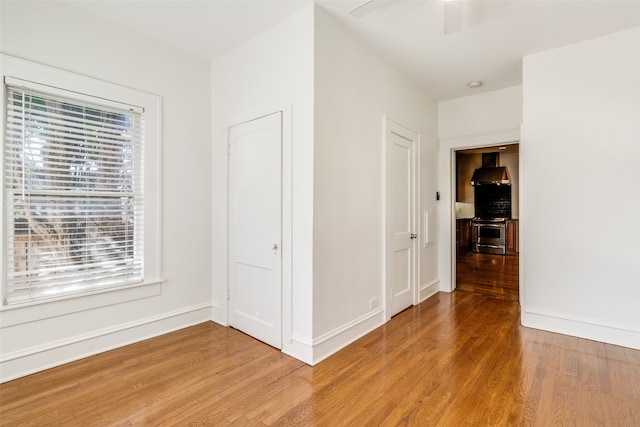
<point x="495" y="35"/>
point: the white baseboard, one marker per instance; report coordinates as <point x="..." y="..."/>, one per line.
<point x="218" y="316"/>
<point x="314" y="351"/>
<point x="299" y="348"/>
<point x="337" y="339"/>
<point x="581" y="328"/>
<point x="429" y="289"/>
<point x="51" y="354"/>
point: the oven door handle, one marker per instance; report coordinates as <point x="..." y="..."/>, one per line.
<point x="488" y="225"/>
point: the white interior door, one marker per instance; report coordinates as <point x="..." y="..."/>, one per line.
<point x="255" y="228"/>
<point x="401" y="227"/>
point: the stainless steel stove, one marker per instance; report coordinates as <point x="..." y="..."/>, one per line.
<point x="489" y="235"/>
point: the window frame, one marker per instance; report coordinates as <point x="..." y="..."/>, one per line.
<point x="152" y="271"/>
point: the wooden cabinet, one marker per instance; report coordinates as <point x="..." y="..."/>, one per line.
<point x="512" y="237"/>
<point x="463" y="235"/>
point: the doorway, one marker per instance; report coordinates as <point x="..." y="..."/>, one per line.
<point x="486" y="196"/>
<point x="255" y="228"/>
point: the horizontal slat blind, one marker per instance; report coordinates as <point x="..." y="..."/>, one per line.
<point x="73" y="194"/>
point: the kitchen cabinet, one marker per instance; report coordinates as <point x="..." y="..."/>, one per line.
<point x="512" y="242"/>
<point x="463" y="235"/>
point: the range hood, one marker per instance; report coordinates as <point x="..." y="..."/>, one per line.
<point x="490" y="172"/>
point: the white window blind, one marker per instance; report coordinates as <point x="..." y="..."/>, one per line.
<point x="73" y="193"/>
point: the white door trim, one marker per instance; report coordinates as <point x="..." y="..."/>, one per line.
<point x="446" y="180"/>
<point x="388" y="249"/>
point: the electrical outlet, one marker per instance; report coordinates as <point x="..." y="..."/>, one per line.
<point x="373" y="303"/>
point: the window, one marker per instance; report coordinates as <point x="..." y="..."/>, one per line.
<point x="74" y="194"/>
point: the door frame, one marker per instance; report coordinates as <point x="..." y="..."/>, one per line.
<point x="221" y="313"/>
<point x="446" y="181"/>
<point x="387" y="238"/>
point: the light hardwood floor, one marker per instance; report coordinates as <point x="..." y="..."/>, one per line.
<point x="456" y="359"/>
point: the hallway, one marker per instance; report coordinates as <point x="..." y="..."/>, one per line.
<point x="490" y="275"/>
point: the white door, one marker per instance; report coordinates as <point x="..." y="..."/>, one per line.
<point x="401" y="228"/>
<point x="255" y="228"/>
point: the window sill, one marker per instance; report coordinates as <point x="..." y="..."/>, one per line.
<point x="44" y="309"/>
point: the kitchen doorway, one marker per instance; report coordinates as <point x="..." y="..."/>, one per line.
<point x="486" y="196"/>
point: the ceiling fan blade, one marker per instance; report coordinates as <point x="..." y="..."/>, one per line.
<point x="364" y="9"/>
<point x="452" y="16"/>
<point x="368" y="6"/>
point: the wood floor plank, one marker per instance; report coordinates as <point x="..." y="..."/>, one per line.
<point x="488" y="274"/>
<point x="456" y="359"/>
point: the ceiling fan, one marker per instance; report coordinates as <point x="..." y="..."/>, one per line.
<point x="452" y="12"/>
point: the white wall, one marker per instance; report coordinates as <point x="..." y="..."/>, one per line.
<point x="269" y="73"/>
<point x="486" y="119"/>
<point x="311" y="66"/>
<point x="580" y="172"/>
<point x="479" y="114"/>
<point x="62" y="36"/>
<point x="353" y="90"/>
